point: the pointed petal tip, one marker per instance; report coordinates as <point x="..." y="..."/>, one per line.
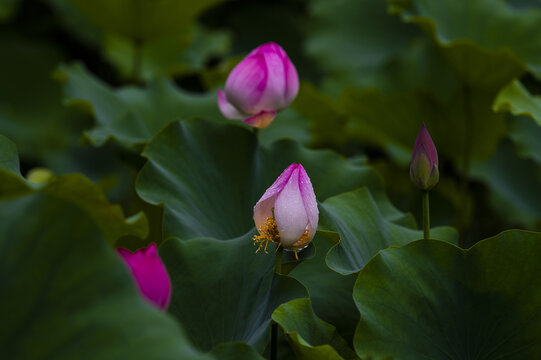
<point x="425" y="141"/>
<point x="270" y="46"/>
<point x="149" y="274"/>
<point x="262" y="209"/>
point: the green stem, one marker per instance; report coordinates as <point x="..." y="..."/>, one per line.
<point x="278" y="264"/>
<point x="274" y="326"/>
<point x="426" y="215"/>
<point x="274" y="342"/>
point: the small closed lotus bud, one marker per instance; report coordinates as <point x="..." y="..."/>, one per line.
<point x="424" y="161"/>
<point x="262" y="84"/>
<point x="149" y="274"/>
<point x="287" y="212"/>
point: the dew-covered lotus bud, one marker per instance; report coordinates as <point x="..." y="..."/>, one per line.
<point x="424" y="162"/>
<point x="262" y="84"/>
<point x="149" y="274"/>
<point x="287" y="212"/>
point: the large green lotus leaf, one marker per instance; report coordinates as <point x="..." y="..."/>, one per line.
<point x="525" y="134"/>
<point x="477" y="37"/>
<point x="12" y="183"/>
<point x="67" y="295"/>
<point x="364" y="230"/>
<point x="516" y="99"/>
<point x="515" y="185"/>
<point x="330" y="292"/>
<point x="393" y="121"/>
<point x="180" y="54"/>
<point x="327" y="121"/>
<point x="359" y="43"/>
<point x="288" y="124"/>
<point x="9" y="156"/>
<point x="132" y="115"/>
<point x="432" y="300"/>
<point x="223" y="291"/>
<point x="175" y="54"/>
<point x="31" y="113"/>
<point x="82" y="192"/>
<point x="235" y="351"/>
<point x="337" y="27"/>
<point x="210" y="175"/>
<point x="75" y="189"/>
<point x="142" y="19"/>
<point x="476" y="66"/>
<point x="310" y="337"/>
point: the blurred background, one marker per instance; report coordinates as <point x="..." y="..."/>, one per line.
<point x="371" y="72"/>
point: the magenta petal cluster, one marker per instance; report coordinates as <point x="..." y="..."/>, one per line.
<point x="149" y="274"/>
<point x="424" y="161"/>
<point x="262" y="84"/>
<point x="287" y="212"/>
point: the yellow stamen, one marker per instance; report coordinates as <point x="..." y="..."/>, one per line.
<point x="303" y="240"/>
<point x="299" y="244"/>
<point x="267" y="232"/>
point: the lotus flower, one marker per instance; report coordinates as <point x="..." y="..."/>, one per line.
<point x="149" y="274"/>
<point x="424" y="162"/>
<point x="262" y="84"/>
<point x="287" y="212"/>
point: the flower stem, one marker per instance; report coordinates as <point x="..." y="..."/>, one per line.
<point x="278" y="264"/>
<point x="274" y="342"/>
<point x="426" y="215"/>
<point x="274" y="326"/>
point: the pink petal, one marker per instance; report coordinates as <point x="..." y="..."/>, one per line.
<point x="263" y="208"/>
<point x="262" y="119"/>
<point x="246" y="84"/>
<point x="291" y="77"/>
<point x="149" y="274"/>
<point x="227" y="109"/>
<point x="424" y="139"/>
<point x="289" y="211"/>
<point x="309" y="200"/>
<point x="273" y="96"/>
<point x="268" y="47"/>
<point x="292" y="81"/>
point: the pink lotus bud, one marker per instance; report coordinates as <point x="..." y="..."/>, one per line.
<point x="424" y="162"/>
<point x="287" y="212"/>
<point x="262" y="84"/>
<point x="150" y="275"/>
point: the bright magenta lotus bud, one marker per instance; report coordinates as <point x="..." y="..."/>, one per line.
<point x="149" y="274"/>
<point x="424" y="162"/>
<point x="287" y="212"/>
<point x="262" y="84"/>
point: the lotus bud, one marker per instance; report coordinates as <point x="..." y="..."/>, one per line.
<point x="287" y="212"/>
<point x="262" y="84"/>
<point x="149" y="274"/>
<point x="424" y="162"/>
